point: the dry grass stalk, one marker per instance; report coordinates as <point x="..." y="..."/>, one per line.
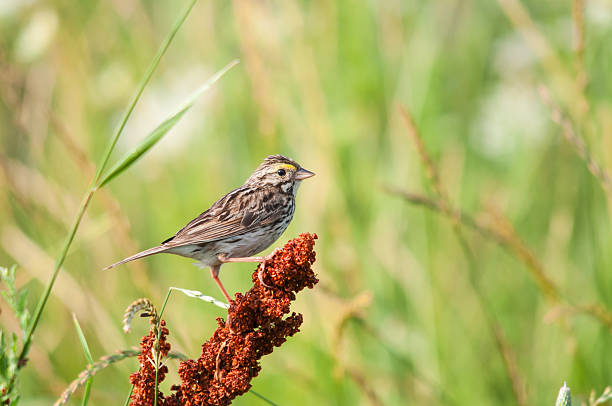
<point x="363" y="383"/>
<point x="99" y="366"/>
<point x="500" y="230"/>
<point x="518" y="384"/>
<point x="510" y="240"/>
<point x="142" y="304"/>
<point x="522" y="21"/>
<point x="579" y="45"/>
<point x="577" y="143"/>
<point x="445" y="206"/>
<point x="572" y="86"/>
<point x="430" y="169"/>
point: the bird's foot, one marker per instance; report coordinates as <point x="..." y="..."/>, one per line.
<point x="262" y="268"/>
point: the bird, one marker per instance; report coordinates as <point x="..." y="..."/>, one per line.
<point x="242" y="223"/>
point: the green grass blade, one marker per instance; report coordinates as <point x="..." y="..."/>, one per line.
<point x="87" y="392"/>
<point x="161" y="129"/>
<point x="82" y="339"/>
<point x="87" y="355"/>
<point x="60" y="260"/>
<point x="144" y="146"/>
<point x="143" y="83"/>
<point x="268" y="401"/>
<point x="201" y="296"/>
<point x="129" y="396"/>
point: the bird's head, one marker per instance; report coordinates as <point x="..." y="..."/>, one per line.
<point x="279" y="171"/>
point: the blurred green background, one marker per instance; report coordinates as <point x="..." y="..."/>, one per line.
<point x="401" y="315"/>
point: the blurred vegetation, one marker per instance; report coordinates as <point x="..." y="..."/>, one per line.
<point x="478" y="276"/>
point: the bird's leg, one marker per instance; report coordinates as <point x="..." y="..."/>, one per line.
<point x="214" y="272"/>
<point x="223" y="258"/>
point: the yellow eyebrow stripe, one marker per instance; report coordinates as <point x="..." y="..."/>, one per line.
<point x="286" y="166"/>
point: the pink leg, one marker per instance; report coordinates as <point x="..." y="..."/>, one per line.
<point x="214" y="272"/>
<point x="223" y="258"/>
<point x="262" y="260"/>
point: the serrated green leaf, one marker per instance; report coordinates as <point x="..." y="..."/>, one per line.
<point x="161" y="130"/>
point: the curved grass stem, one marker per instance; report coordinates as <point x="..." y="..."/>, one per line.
<point x="85" y="203"/>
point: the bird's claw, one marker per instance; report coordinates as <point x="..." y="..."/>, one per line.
<point x="262" y="268"/>
<point x="260" y="275"/>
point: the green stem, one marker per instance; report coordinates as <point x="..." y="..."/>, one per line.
<point x="87" y="391"/>
<point x="129" y="397"/>
<point x="60" y="261"/>
<point x="268" y="401"/>
<point x="143" y="83"/>
<point x="43" y="300"/>
<point x="157" y="332"/>
<point x="164" y="305"/>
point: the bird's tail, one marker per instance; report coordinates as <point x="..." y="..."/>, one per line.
<point x="142" y="254"/>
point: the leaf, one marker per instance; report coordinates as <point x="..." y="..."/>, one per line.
<point x="87" y="355"/>
<point x="564" y="398"/>
<point x="161" y="129"/>
<point x="262" y="397"/>
<point x="16" y="298"/>
<point x="143" y="83"/>
<point x="201" y="296"/>
<point x="82" y="339"/>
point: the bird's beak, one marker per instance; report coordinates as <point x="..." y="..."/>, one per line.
<point x="302" y="174"/>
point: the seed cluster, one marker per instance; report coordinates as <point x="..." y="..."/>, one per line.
<point x="151" y="352"/>
<point x="257" y="321"/>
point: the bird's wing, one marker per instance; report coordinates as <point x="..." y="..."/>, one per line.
<point x="236" y="213"/>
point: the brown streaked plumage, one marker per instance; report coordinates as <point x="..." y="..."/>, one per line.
<point x="240" y="224"/>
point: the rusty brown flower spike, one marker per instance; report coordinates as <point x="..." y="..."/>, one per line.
<point x="144" y="380"/>
<point x="258" y="321"/>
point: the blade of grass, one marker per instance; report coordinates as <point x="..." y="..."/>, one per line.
<point x="90" y="360"/>
<point x="157" y="333"/>
<point x="85" y="203"/>
<point x="143" y="83"/>
<point x="201" y="296"/>
<point x="161" y="129"/>
<point x="268" y="401"/>
<point x="100" y="365"/>
<point x="129" y="396"/>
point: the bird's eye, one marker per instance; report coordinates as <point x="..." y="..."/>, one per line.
<point x="281" y="172"/>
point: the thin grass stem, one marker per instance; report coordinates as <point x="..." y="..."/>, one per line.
<point x="262" y="397"/>
<point x="98" y="366"/>
<point x="129" y="396"/>
<point x="157" y="333"/>
<point x="87" y="352"/>
<point x="143" y="83"/>
<point x="85" y="203"/>
<point x="444" y="204"/>
<point x="43" y="301"/>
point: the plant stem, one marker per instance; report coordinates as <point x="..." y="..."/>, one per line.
<point x="129" y="397"/>
<point x="161" y="312"/>
<point x="157" y="332"/>
<point x="268" y="401"/>
<point x="85" y="203"/>
<point x="143" y="83"/>
<point x="43" y="300"/>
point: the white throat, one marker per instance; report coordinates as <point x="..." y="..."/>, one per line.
<point x="296" y="187"/>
